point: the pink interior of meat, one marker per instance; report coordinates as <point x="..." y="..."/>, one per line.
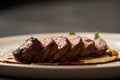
<point x="74" y="39"/>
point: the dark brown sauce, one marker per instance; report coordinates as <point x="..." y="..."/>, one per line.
<point x="60" y="63"/>
<point x="11" y="60"/>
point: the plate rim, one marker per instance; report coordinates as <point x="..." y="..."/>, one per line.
<point x="25" y="35"/>
<point x="54" y="66"/>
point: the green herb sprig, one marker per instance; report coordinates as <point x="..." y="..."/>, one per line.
<point x="96" y="35"/>
<point x="72" y="33"/>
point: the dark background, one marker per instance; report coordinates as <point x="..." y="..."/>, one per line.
<point x="19" y="17"/>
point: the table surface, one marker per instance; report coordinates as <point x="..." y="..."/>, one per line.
<point x="47" y="17"/>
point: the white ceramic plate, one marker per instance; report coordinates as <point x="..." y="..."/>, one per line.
<point x="107" y="70"/>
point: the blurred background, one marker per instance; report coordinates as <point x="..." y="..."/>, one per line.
<point x="19" y="17"/>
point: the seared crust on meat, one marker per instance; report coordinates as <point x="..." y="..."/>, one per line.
<point x="101" y="46"/>
<point x="89" y="47"/>
<point x="47" y="44"/>
<point x="53" y="50"/>
<point x="63" y="46"/>
<point x="27" y="50"/>
<point x="76" y="47"/>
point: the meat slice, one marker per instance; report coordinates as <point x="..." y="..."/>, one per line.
<point x="101" y="46"/>
<point x="52" y="51"/>
<point x="48" y="44"/>
<point x="27" y="50"/>
<point x="89" y="47"/>
<point x="76" y="47"/>
<point x="63" y="46"/>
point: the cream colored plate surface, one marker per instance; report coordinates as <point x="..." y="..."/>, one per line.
<point x="54" y="71"/>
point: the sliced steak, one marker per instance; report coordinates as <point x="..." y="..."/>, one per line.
<point x="52" y="51"/>
<point x="76" y="47"/>
<point x="63" y="46"/>
<point x="27" y="50"/>
<point x="89" y="47"/>
<point x="48" y="44"/>
<point x="101" y="46"/>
